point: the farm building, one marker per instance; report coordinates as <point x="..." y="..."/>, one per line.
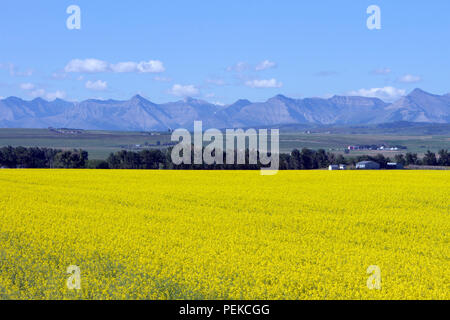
<point x="342" y="167"/>
<point x="367" y="165"/>
<point x="394" y="166"/>
<point x="333" y="167"/>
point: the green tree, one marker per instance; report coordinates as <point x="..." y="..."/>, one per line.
<point x="411" y="158"/>
<point x="430" y="159"/>
<point x="444" y="158"/>
<point x="400" y="158"/>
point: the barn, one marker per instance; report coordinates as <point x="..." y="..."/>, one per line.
<point x="367" y="165"/>
<point x="394" y="166"/>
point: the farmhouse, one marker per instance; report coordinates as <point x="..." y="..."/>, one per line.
<point x="333" y="167"/>
<point x="367" y="165"/>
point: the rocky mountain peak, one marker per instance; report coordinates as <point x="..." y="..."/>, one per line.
<point x="139" y="113"/>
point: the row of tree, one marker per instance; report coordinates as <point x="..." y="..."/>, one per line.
<point x="305" y="159"/>
<point x="22" y="157"/>
<point x="162" y="159"/>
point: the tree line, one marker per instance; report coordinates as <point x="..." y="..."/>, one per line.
<point x="305" y="159"/>
<point x="22" y="157"/>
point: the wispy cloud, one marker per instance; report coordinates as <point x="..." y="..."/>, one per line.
<point x="162" y="79"/>
<point x="269" y="83"/>
<point x="385" y="93"/>
<point x="15" y="72"/>
<point x="96" y="85"/>
<point x="34" y="91"/>
<point x="381" y="71"/>
<point x="409" y="78"/>
<point x="184" y="90"/>
<point x="55" y="95"/>
<point x="100" y="66"/>
<point x="38" y="93"/>
<point x="59" y="75"/>
<point x="239" y="67"/>
<point x="266" y="64"/>
<point x="48" y="95"/>
<point x="27" y="86"/>
<point x="87" y="66"/>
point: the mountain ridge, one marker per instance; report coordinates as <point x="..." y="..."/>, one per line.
<point x="140" y="114"/>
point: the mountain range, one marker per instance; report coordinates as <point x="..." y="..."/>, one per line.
<point x="140" y="114"/>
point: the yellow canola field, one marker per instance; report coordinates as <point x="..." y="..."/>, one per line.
<point x="224" y="235"/>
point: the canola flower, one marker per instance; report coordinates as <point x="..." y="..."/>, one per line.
<point x="224" y="234"/>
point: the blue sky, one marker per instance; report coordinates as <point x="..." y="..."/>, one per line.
<point x="222" y="51"/>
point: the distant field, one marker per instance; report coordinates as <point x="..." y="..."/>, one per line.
<point x="100" y="144"/>
<point x="339" y="142"/>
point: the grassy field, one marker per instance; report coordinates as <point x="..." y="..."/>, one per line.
<point x="339" y="142"/>
<point x="100" y="144"/>
<point x="224" y="235"/>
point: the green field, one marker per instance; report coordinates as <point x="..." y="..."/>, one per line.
<point x="339" y="142"/>
<point x="100" y="144"/>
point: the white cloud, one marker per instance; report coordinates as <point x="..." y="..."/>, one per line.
<point x="55" y="95"/>
<point x="386" y="93"/>
<point x="96" y="85"/>
<point x="27" y="86"/>
<point x="152" y="66"/>
<point x="59" y="76"/>
<point x="238" y="67"/>
<point x="271" y="83"/>
<point x="38" y="93"/>
<point x="409" y="78"/>
<point x="48" y="95"/>
<point x="27" y="73"/>
<point x="87" y="66"/>
<point x="184" y="91"/>
<point x="266" y="64"/>
<point x="99" y="66"/>
<point x="382" y="71"/>
<point x="162" y="79"/>
<point x="13" y="70"/>
<point x="123" y="67"/>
